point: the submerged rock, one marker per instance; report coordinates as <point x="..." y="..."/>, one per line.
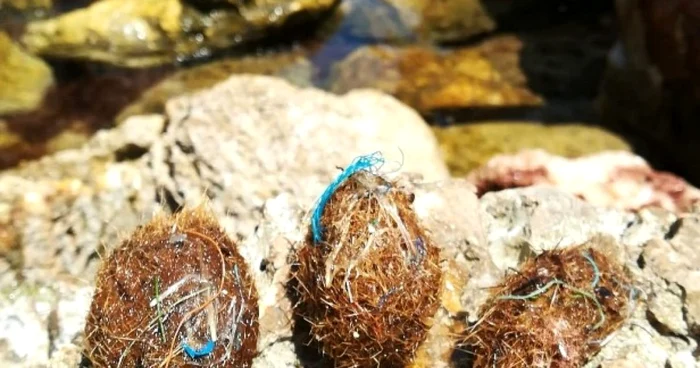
<point x="25" y="5"/>
<point x="401" y="20"/>
<point x="24" y="78"/>
<point x="467" y="147"/>
<point x="428" y="79"/>
<point x="71" y="112"/>
<point x="445" y="21"/>
<point x="292" y="66"/>
<point x="135" y="33"/>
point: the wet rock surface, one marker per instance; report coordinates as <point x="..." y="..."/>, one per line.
<point x="72" y="111"/>
<point x="68" y="209"/>
<point x="427" y="20"/>
<point x="427" y="79"/>
<point x="24" y="5"/>
<point x="292" y="66"/>
<point x="535" y="75"/>
<point x="24" y="78"/>
<point x="136" y="34"/>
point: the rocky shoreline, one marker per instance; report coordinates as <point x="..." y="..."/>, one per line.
<point x="259" y="151"/>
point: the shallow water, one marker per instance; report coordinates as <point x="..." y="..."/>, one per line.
<point x="552" y="49"/>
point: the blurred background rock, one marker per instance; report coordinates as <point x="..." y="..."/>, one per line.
<point x="490" y="76"/>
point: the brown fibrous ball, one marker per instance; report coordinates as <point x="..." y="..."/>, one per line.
<point x="176" y="283"/>
<point x="555" y="312"/>
<point x="369" y="290"/>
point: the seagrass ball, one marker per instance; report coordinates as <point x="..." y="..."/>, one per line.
<point x="369" y="288"/>
<point x="556" y="311"/>
<point x="176" y="293"/>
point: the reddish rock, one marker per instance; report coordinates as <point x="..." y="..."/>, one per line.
<point x="611" y="179"/>
<point x="511" y="178"/>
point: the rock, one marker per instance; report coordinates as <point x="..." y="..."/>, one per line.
<point x="607" y="179"/>
<point x="252" y="142"/>
<point x="676" y="260"/>
<point x="468" y="146"/>
<point x="426" y="20"/>
<point x="24" y="78"/>
<point x="7" y="137"/>
<point x="667" y="309"/>
<point x="427" y="79"/>
<point x="529" y="221"/>
<point x="65" y="208"/>
<point x="280" y="138"/>
<point x="25" y="5"/>
<point x="136" y="34"/>
<point x="290" y="66"/>
<point x="451" y="211"/>
<point x="401" y="21"/>
<point x="44" y="319"/>
<point x="651" y="88"/>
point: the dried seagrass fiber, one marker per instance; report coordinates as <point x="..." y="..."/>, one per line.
<point x="176" y="293"/>
<point x="556" y="311"/>
<point x="367" y="279"/>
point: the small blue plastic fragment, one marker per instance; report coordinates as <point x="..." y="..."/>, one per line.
<point x="196" y="353"/>
<point x="360" y="163"/>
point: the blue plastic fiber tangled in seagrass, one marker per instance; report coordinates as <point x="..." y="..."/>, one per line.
<point x="207" y="349"/>
<point x="360" y="163"/>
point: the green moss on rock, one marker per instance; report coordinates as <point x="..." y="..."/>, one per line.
<point x="467" y="147"/>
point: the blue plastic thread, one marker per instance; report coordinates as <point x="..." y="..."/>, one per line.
<point x="196" y="353"/>
<point x="360" y="163"/>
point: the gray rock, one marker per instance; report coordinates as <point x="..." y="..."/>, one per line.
<point x="677" y="261"/>
<point x="666" y="306"/>
<point x="531" y="220"/>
